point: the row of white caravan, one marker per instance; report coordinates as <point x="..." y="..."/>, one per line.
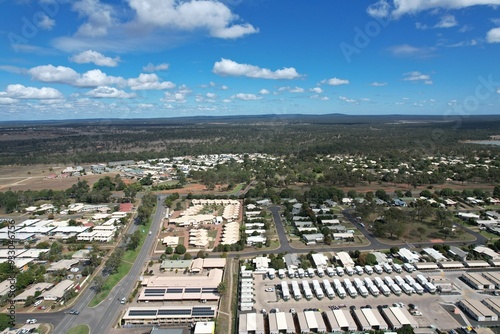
<point x="341" y="271"/>
<point x="362" y="287"/>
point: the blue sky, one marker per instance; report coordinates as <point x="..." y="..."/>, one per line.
<point x="66" y="59"/>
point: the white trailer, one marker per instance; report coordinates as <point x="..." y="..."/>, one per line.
<point x="430" y="287"/>
<point x="310" y="272"/>
<point x="395" y="289"/>
<point x="378" y="269"/>
<point x="301" y="272"/>
<point x="373" y="290"/>
<point x="329" y="292"/>
<point x="285" y="291"/>
<point x="387" y="268"/>
<point x="271" y="273"/>
<point x="418" y="288"/>
<point x="359" y="270"/>
<point x="328" y="288"/>
<point x="399" y="280"/>
<point x="368" y="270"/>
<point x="388" y="281"/>
<point x="291" y="273"/>
<point x="421" y="279"/>
<point x="336" y="283"/>
<point x="397" y="268"/>
<point x="363" y="291"/>
<point x="385" y="290"/>
<point x="330" y="272"/>
<point x="307" y="290"/>
<point x="409" y="267"/>
<point x="352" y="291"/>
<point x="349" y="271"/>
<point x="340" y="271"/>
<point x="407" y="288"/>
<point x="358" y="282"/>
<point x="409" y="279"/>
<point x="367" y="281"/>
<point x="281" y="273"/>
<point x="320" y="272"/>
<point x="378" y="281"/>
<point x="297" y="295"/>
<point x="318" y="291"/>
<point x="347" y="283"/>
<point x="341" y="292"/>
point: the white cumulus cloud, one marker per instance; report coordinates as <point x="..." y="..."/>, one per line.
<point x="316" y="90"/>
<point x="149" y="82"/>
<point x="109" y="92"/>
<point x="213" y="16"/>
<point x="96" y="58"/>
<point x="378" y="84"/>
<point x="335" y="82"/>
<point x="8" y="100"/>
<point x="264" y="91"/>
<point x="246" y="97"/>
<point x="18" y="91"/>
<point x="447" y="21"/>
<point x="154" y="68"/>
<point x="99" y="17"/>
<point x="417" y="76"/>
<point x="45" y="22"/>
<point x="398" y="8"/>
<point x="227" y="67"/>
<point x="66" y="75"/>
<point x="493" y="36"/>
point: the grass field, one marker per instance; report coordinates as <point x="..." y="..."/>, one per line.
<point x="80" y="329"/>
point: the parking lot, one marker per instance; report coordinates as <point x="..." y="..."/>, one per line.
<point x="434" y="308"/>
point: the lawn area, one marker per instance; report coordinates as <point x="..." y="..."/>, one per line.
<point x="80" y="329"/>
<point x="236" y="189"/>
<point x="124" y="268"/>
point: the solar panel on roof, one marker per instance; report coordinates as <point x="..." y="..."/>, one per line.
<point x="174" y="312"/>
<point x="201" y="308"/>
<point x="172" y="290"/>
<point x="154" y="292"/>
<point x="203" y="313"/>
<point x="142" y="313"/>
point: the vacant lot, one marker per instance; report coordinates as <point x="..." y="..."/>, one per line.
<point x="37" y="177"/>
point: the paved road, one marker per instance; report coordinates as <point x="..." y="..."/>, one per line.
<point x="101" y="318"/>
<point x="374" y="243"/>
<point x="104" y="316"/>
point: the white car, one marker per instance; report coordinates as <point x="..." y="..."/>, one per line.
<point x="31" y="321"/>
<point x="269" y="290"/>
<point x="38" y="302"/>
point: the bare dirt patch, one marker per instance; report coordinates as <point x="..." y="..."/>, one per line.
<point x="37" y="177"/>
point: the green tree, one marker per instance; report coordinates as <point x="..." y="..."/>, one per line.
<point x="222" y="288"/>
<point x="169" y="250"/>
<point x="180" y="249"/>
<point x="133" y="240"/>
<point x="5" y="321"/>
<point x="98" y="283"/>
